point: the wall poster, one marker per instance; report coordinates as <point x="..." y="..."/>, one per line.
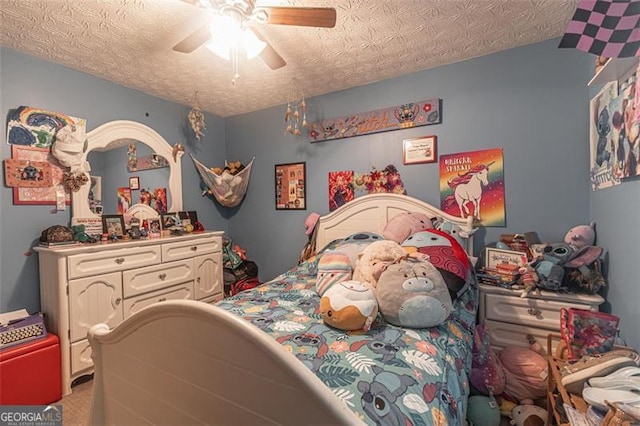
<point x="601" y="138"/>
<point x="472" y="184"/>
<point x="340" y="188"/>
<point x="291" y="192"/>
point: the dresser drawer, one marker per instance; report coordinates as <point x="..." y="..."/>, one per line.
<point x="150" y="278"/>
<point x="135" y="304"/>
<point x="187" y="249"/>
<point x="87" y="264"/>
<point x="527" y="311"/>
<point x="80" y="356"/>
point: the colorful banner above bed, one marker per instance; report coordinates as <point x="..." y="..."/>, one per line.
<point x="413" y="114"/>
<point x="472" y="184"/>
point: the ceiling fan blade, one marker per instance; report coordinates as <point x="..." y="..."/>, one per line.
<point x="195" y="40"/>
<point x="301" y="16"/>
<point x="269" y="55"/>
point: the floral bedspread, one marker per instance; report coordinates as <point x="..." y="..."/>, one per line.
<point x="389" y="375"/>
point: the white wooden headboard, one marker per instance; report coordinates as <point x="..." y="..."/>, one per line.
<point x="370" y="213"/>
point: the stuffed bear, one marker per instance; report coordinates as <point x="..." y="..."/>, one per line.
<point x="446" y="254"/>
<point x="333" y="267"/>
<point x="375" y="258"/>
<point x="412" y="293"/>
<point x="349" y="305"/>
<point x="405" y="224"/>
<point x="581" y="236"/>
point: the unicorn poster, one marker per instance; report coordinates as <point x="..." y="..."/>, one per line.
<point x="472" y="184"/>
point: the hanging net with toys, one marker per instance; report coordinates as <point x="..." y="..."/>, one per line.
<point x="227" y="185"/>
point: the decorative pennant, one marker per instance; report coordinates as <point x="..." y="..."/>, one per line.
<point x="27" y="173"/>
<point x="606" y="28"/>
<point x="404" y="116"/>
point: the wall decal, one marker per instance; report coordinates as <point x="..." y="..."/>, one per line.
<point x="472" y="184"/>
<point x="404" y="116"/>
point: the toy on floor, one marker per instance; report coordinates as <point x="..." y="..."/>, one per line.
<point x="483" y="411"/>
<point x="528" y="415"/>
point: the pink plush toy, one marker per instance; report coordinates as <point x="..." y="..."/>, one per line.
<point x="403" y="225"/>
<point x="581" y="236"/>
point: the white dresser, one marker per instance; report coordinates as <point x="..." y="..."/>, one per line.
<point x="83" y="285"/>
<point x="510" y="318"/>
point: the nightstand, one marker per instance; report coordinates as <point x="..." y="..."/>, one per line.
<point x="510" y="318"/>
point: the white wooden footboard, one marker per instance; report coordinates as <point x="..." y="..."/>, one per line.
<point x="187" y="362"/>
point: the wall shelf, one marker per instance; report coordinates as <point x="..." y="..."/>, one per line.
<point x="614" y="69"/>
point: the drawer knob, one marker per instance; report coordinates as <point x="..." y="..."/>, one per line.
<point x="120" y="260"/>
<point x="162" y="276"/>
<point x="194" y="248"/>
<point x="118" y="300"/>
<point x="534" y="312"/>
<point x="162" y="299"/>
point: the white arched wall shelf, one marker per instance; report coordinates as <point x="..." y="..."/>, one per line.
<point x="118" y="133"/>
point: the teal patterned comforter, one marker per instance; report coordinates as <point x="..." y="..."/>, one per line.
<point x="387" y="376"/>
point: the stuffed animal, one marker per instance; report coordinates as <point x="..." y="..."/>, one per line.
<point x="403" y="225"/>
<point x="483" y="411"/>
<point x="487" y="375"/>
<point x="456" y="231"/>
<point x="446" y="254"/>
<point x="528" y="279"/>
<point x="549" y="268"/>
<point x="412" y="293"/>
<point x="528" y="415"/>
<point x="526" y="372"/>
<point x="355" y="244"/>
<point x="375" y="258"/>
<point x="581" y="236"/>
<point x="350" y="306"/>
<point x="333" y="267"/>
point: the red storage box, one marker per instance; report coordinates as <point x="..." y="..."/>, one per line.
<point x="30" y="373"/>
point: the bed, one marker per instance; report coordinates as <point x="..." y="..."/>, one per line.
<point x="264" y="356"/>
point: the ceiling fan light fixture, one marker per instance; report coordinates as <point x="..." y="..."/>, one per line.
<point x="252" y="45"/>
<point x="220" y="47"/>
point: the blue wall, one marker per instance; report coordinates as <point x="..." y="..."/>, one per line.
<point x="26" y="80"/>
<point x="531" y="101"/>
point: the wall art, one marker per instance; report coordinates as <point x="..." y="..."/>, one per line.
<point x="600" y="132"/>
<point x="413" y="114"/>
<point x="113" y="225"/>
<point x="419" y="150"/>
<point x="124" y="199"/>
<point x="29" y="126"/>
<point x="134" y="183"/>
<point x="472" y="184"/>
<point x="40" y="195"/>
<point x="341" y="188"/>
<point x="27" y="173"/>
<point x="291" y="186"/>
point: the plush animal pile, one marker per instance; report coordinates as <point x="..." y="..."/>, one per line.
<point x="412" y="280"/>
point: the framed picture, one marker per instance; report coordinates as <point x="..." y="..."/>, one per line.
<point x="155" y="227"/>
<point x="420" y="150"/>
<point x="48" y="195"/>
<point x="113" y="225"/>
<point x="495" y="257"/>
<point x="168" y="220"/>
<point x="134" y="183"/>
<point x="291" y="186"/>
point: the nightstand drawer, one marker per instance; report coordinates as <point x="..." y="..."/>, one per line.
<point x="503" y="334"/>
<point x="526" y="311"/>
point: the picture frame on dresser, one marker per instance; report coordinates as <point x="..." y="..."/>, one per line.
<point x="113" y="225"/>
<point x="496" y="256"/>
<point x="155" y="227"/>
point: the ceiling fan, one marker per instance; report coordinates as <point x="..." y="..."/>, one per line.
<point x="246" y="14"/>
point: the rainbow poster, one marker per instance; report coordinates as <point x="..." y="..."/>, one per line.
<point x="472" y="184"/>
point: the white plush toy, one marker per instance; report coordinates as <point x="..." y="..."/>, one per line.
<point x="374" y="260"/>
<point x="528" y="415"/>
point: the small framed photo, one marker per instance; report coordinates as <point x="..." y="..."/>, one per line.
<point x="291" y="186"/>
<point x="168" y="220"/>
<point x="113" y="225"/>
<point x="420" y="150"/>
<point x="155" y="227"/>
<point x="497" y="257"/>
<point x="134" y="183"/>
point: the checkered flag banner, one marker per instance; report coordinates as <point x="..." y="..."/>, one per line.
<point x="606" y="28"/>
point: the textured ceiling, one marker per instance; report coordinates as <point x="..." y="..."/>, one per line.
<point x="130" y="43"/>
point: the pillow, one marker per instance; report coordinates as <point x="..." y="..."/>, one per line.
<point x="412" y="293"/>
<point x="526" y="372"/>
<point x="355" y="244"/>
<point x="446" y="254"/>
<point x="401" y="226"/>
<point x="333" y="267"/>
